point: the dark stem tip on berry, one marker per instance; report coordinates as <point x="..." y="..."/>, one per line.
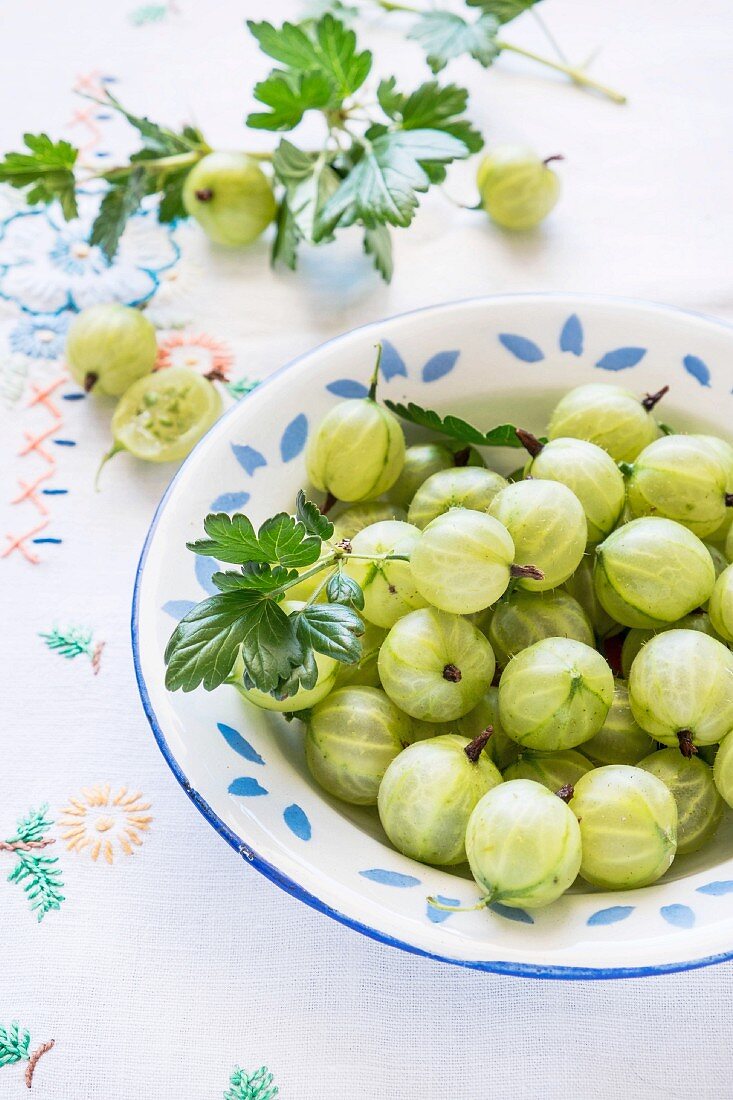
<point x="653" y="399"/>
<point x="566" y="792"/>
<point x="204" y="194"/>
<point x="555" y="156"/>
<point x="687" y="745"/>
<point x="477" y="746"/>
<point x="452" y="674"/>
<point x="90" y="381"/>
<point x="460" y="458"/>
<point x="729" y="500"/>
<point x="530" y="442"/>
<point x="530" y="571"/>
<point x="328" y="503"/>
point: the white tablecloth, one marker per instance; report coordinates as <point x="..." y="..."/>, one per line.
<point x="164" y="969"/>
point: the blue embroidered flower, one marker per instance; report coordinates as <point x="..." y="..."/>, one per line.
<point x="47" y="265"/>
<point x="40" y="336"/>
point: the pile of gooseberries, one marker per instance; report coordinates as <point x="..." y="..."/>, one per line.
<point x="111" y="350"/>
<point x="488" y="720"/>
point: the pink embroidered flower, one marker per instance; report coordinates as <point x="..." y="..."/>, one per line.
<point x="198" y="351"/>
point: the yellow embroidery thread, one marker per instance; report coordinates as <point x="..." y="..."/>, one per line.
<point x="98" y="818"/>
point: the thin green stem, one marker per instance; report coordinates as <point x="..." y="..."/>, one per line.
<point x="378" y="557"/>
<point x="160" y="164"/>
<point x="480" y="904"/>
<point x="578" y="76"/>
<point x="324" y="563"/>
<point x="375" y="375"/>
<point x="388" y="5"/>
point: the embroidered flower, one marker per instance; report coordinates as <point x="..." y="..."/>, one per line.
<point x="99" y="818"/>
<point x="198" y="350"/>
<point x="47" y="265"/>
<point x="40" y="336"/>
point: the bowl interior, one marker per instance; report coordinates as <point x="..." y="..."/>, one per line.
<point x="491" y="361"/>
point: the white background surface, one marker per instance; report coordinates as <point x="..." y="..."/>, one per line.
<point x="163" y="971"/>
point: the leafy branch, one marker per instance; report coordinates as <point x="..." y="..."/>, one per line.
<point x="15" y="1047"/>
<point x="38" y="874"/>
<point x="504" y="435"/>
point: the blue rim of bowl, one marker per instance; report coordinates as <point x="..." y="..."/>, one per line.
<point x="514" y="969"/>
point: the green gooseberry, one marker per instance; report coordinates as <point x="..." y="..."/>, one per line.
<point x="547" y="524"/>
<point x="620" y="740"/>
<point x="723" y="770"/>
<point x="555" y="695"/>
<point x="679" y="477"/>
<point x="608" y="416"/>
<point x="628" y="826"/>
<point x="582" y="588"/>
<point x="500" y="748"/>
<point x="651" y="572"/>
<point x="364" y="672"/>
<point x="588" y="471"/>
<point x="110" y="346"/>
<point x="699" y="806"/>
<point x="724" y="452"/>
<point x="357" y="451"/>
<point x="470" y="487"/>
<point x="721" y="605"/>
<point x="720" y="562"/>
<point x="553" y="770"/>
<point x="523" y="845"/>
<point x="462" y="561"/>
<point x="390" y="588"/>
<point x="428" y="794"/>
<point x="680" y="689"/>
<point x="421" y="461"/>
<point x="518" y="189"/>
<point x="354" y="519"/>
<point x="352" y="737"/>
<point x="636" y="638"/>
<point x="522" y="618"/>
<point x="435" y="666"/>
<point x="230" y="197"/>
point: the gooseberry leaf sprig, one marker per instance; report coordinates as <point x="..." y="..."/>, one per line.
<point x="246" y="617"/>
<point x="503" y="435"/>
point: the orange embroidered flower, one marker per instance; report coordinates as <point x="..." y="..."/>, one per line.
<point x="98" y="818"/>
<point x="196" y="350"/>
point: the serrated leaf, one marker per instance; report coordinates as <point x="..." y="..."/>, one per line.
<point x="231" y="539"/>
<point x="171" y="206"/>
<point x="503" y="10"/>
<point x="159" y="141"/>
<point x="289" y="95"/>
<point x="378" y="245"/>
<point x="284" y="540"/>
<point x="309" y="182"/>
<point x="445" y="36"/>
<point x="120" y="203"/>
<point x="342" y="588"/>
<point x="270" y="647"/>
<point x="304" y="675"/>
<point x="257" y="577"/>
<point x="330" y="628"/>
<point x="504" y="435"/>
<point x="287" y="238"/>
<point x="47" y="169"/>
<point x="312" y="518"/>
<point x="430" y="107"/>
<point x="383" y="185"/>
<point x="326" y="47"/>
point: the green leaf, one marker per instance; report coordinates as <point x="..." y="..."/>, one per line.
<point x="309" y="182"/>
<point x="304" y="675"/>
<point x="445" y="36"/>
<point x="257" y="577"/>
<point x="33" y="826"/>
<point x="342" y="588"/>
<point x="289" y="95"/>
<point x="171" y="203"/>
<point x="47" y="169"/>
<point x="378" y="245"/>
<point x="284" y="540"/>
<point x="326" y="47"/>
<point x="204" y="646"/>
<point x="504" y="435"/>
<point x="312" y="518"/>
<point x="231" y="539"/>
<point x="158" y="141"/>
<point x="430" y="107"/>
<point x="41" y="879"/>
<point x="120" y="202"/>
<point x="503" y="10"/>
<point x="330" y="628"/>
<point x="382" y="186"/>
<point x="287" y="238"/>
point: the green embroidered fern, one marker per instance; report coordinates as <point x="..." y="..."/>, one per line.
<point x="255" y="1086"/>
<point x="14" y="1044"/>
<point x="36" y="873"/>
<point x="241" y="387"/>
<point x="69" y="643"/>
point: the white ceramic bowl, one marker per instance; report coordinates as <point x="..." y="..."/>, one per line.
<point x="491" y="360"/>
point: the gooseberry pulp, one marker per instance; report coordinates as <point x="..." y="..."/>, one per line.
<point x="523" y="845"/>
<point x="548" y="528"/>
<point x="680" y="477"/>
<point x="518" y="189"/>
<point x="351" y="739"/>
<point x="555" y="695"/>
<point x="429" y="792"/>
<point x="628" y="826"/>
<point x="110" y="346"/>
<point x="611" y="417"/>
<point x="389" y="587"/>
<point x="681" y="689"/>
<point x="523" y="618"/>
<point x="652" y="571"/>
<point x="467" y="487"/>
<point x="230" y="197"/>
<point x="699" y="806"/>
<point x="435" y="666"/>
